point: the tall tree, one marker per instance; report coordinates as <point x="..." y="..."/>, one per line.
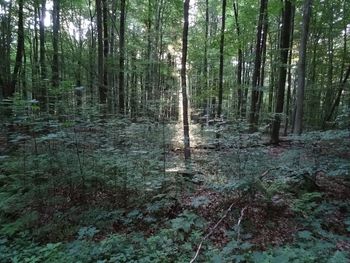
<point x="187" y="150"/>
<point x="42" y="39"/>
<point x="55" y="44"/>
<point x="205" y="64"/>
<point x="5" y="47"/>
<point x="302" y="67"/>
<point x="239" y="62"/>
<point x="282" y="74"/>
<point x="221" y="67"/>
<point x="100" y="54"/>
<point x="105" y="45"/>
<point x="19" y="52"/>
<point x="122" y="57"/>
<point x="253" y="115"/>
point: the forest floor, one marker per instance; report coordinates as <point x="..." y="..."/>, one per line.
<point x="116" y="191"/>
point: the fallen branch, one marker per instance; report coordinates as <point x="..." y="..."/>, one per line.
<point x="213" y="228"/>
<point x="268" y="171"/>
<point x="239" y="222"/>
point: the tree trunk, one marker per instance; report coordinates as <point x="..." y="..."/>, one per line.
<point x="100" y="55"/>
<point x="338" y="97"/>
<point x="187" y="150"/>
<point x="19" y="52"/>
<point x="55" y="44"/>
<point x="205" y="64"/>
<point x="42" y="50"/>
<point x="240" y="62"/>
<point x="105" y="47"/>
<point x="92" y="57"/>
<point x="302" y="68"/>
<point x="221" y="67"/>
<point x="121" y="57"/>
<point x="261" y="79"/>
<point x="284" y="51"/>
<point x="253" y="115"/>
<point x="289" y="81"/>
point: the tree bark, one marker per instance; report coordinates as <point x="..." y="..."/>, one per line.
<point x="100" y="55"/>
<point x="338" y="97"/>
<point x="240" y="62"/>
<point x="253" y="115"/>
<point x="19" y="52"/>
<point x="42" y="60"/>
<point x="302" y="68"/>
<point x="122" y="57"/>
<point x="55" y="44"/>
<point x="105" y="47"/>
<point x="221" y="67"/>
<point x="284" y="50"/>
<point x="205" y="64"/>
<point x="289" y="79"/>
<point x="187" y="150"/>
<point x="5" y="48"/>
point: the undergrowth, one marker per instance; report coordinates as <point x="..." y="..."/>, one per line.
<point x="102" y="191"/>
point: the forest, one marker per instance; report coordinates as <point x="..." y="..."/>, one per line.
<point x="174" y="131"/>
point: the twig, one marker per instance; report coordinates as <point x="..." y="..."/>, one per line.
<point x="210" y="233"/>
<point x="239" y="222"/>
<point x="268" y="171"/>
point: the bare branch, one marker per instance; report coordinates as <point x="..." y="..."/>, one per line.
<point x="215" y="226"/>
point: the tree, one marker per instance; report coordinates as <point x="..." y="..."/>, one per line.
<point x="5" y="47"/>
<point x="284" y="51"/>
<point x="42" y="51"/>
<point x="19" y="51"/>
<point x="105" y="46"/>
<point x="239" y="62"/>
<point x="55" y="44"/>
<point x="302" y="67"/>
<point x="100" y="54"/>
<point x="253" y="115"/>
<point x="121" y="57"/>
<point x="187" y="150"/>
<point x="221" y="68"/>
<point x="205" y="63"/>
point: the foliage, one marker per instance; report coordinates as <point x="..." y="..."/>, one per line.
<point x="74" y="191"/>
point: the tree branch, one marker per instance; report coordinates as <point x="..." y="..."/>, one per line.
<point x="213" y="228"/>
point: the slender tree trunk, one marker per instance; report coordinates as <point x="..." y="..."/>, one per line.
<point x="272" y="73"/>
<point x="133" y="97"/>
<point x="338" y="96"/>
<point x="100" y="56"/>
<point x="284" y="51"/>
<point x="42" y="40"/>
<point x="92" y="56"/>
<point x="187" y="150"/>
<point x="302" y="67"/>
<point x="55" y="44"/>
<point x="122" y="57"/>
<point x="289" y="80"/>
<point x="19" y="52"/>
<point x="240" y="62"/>
<point x="205" y="64"/>
<point x="221" y="68"/>
<point x="148" y="82"/>
<point x="105" y="47"/>
<point x="261" y="79"/>
<point x="5" y="49"/>
<point x="42" y="50"/>
<point x="253" y="119"/>
<point x="327" y="103"/>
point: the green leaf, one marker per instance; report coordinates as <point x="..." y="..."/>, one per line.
<point x="217" y="259"/>
<point x="305" y="235"/>
<point x="87" y="232"/>
<point x="339" y="257"/>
